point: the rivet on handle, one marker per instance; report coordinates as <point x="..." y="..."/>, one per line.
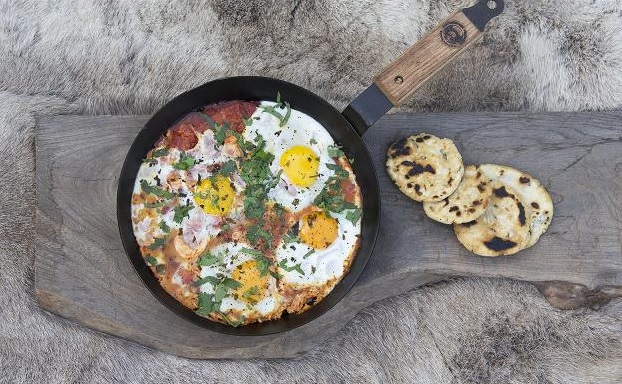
<point x="491" y="4"/>
<point x="398" y="79"/>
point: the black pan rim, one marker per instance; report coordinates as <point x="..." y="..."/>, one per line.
<point x="255" y="329"/>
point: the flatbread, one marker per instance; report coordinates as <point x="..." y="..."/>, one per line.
<point x="467" y="203"/>
<point x="503" y="229"/>
<point x="531" y="192"/>
<point x="425" y="167"/>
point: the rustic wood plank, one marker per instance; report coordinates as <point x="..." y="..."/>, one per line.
<point x="83" y="274"/>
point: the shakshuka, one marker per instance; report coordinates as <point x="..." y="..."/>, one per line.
<point x="247" y="211"/>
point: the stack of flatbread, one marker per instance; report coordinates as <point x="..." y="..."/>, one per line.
<point x="495" y="210"/>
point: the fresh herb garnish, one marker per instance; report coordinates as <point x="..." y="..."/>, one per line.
<point x="255" y="232"/>
<point x="150" y="189"/>
<point x="207" y="304"/>
<point x="232" y="323"/>
<point x="331" y="198"/>
<point x="208" y="259"/>
<point x="185" y="162"/>
<point x="165" y="228"/>
<point x="227" y="168"/>
<point x="339" y="172"/>
<point x="157" y="243"/>
<point x="247" y="122"/>
<point x="295" y="267"/>
<point x="311" y="252"/>
<point x="313" y="142"/>
<point x="263" y="263"/>
<point x="182" y="211"/>
<point x="354" y="215"/>
<point x="151" y="261"/>
<point x="160" y="152"/>
<point x="207" y="279"/>
<point x="334" y="151"/>
<point x="220" y="133"/>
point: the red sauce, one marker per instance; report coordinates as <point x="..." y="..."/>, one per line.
<point x="349" y="190"/>
<point x="231" y="112"/>
<point x="182" y="137"/>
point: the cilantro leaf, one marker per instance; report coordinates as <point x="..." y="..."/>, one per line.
<point x="272" y="110"/>
<point x="339" y="171"/>
<point x="220" y="292"/>
<point x="182" y="211"/>
<point x="157" y="243"/>
<point x="287" y="115"/>
<point x="207" y="279"/>
<point x="207" y="259"/>
<point x="207" y="304"/>
<point x="165" y="228"/>
<point x="255" y="232"/>
<point x="295" y="267"/>
<point x="247" y="122"/>
<point x="334" y="151"/>
<point x="220" y="133"/>
<point x="354" y="215"/>
<point x="233" y="323"/>
<point x="227" y="168"/>
<point x="185" y="162"/>
<point x="151" y="261"/>
<point x="278" y="99"/>
<point x="160" y="152"/>
<point x="153" y="190"/>
<point x="230" y="283"/>
<point x="263" y="263"/>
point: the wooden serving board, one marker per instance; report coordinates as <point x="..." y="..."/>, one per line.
<point x="83" y="274"/>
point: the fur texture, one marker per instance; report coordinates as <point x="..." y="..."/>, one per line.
<point x="115" y="57"/>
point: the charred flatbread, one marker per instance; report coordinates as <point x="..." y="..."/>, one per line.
<point x="467" y="203"/>
<point x="425" y="167"/>
<point x="502" y="229"/>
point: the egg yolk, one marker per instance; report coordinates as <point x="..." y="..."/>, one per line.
<point x="300" y="164"/>
<point x="252" y="283"/>
<point x="214" y="195"/>
<point x="317" y="230"/>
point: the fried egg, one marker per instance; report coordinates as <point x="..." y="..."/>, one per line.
<point x="300" y="148"/>
<point x="253" y="292"/>
<point x="320" y="251"/>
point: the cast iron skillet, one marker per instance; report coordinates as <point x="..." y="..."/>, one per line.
<point x="395" y="84"/>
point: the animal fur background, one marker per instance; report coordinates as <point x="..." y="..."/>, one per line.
<point x="125" y="57"/>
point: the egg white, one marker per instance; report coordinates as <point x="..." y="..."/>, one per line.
<point x="300" y="129"/>
<point x="231" y="255"/>
<point x="323" y="265"/>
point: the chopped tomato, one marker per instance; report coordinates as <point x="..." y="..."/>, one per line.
<point x="183" y="137"/>
<point x="231" y="112"/>
<point x="349" y="190"/>
<point x="195" y="120"/>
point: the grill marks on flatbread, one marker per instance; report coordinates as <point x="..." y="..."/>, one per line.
<point x="496" y="210"/>
<point x="467" y="203"/>
<point x="425" y="167"/>
<point x="531" y="192"/>
<point x="501" y="230"/>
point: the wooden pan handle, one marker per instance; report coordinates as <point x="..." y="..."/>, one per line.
<point x="435" y="50"/>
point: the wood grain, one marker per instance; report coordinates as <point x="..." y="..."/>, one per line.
<point x="429" y="55"/>
<point x="83" y="274"/>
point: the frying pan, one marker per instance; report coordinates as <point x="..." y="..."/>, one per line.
<point x="390" y="88"/>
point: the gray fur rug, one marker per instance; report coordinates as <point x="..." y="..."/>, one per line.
<point x="128" y="57"/>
